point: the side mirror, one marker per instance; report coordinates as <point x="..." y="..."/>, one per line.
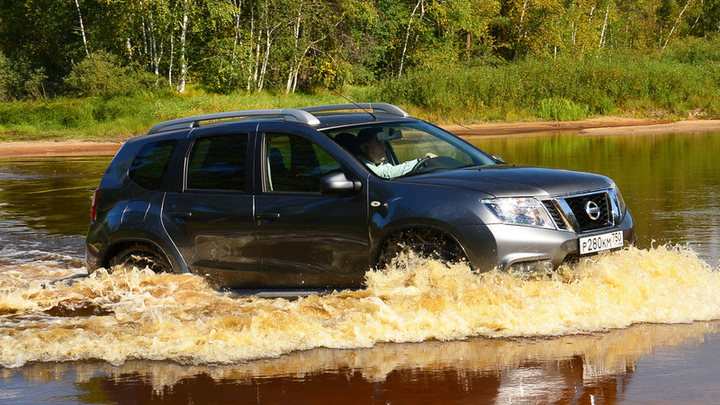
<point x="497" y="159"/>
<point x="337" y="183"/>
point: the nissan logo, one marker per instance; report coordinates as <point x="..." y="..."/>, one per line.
<point x="593" y="210"/>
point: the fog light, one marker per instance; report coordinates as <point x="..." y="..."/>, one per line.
<point x="538" y="268"/>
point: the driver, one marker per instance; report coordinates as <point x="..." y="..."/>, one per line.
<point x="371" y="151"/>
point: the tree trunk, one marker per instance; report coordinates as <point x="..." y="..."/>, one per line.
<point x="183" y="38"/>
<point x="151" y="45"/>
<point x="520" y="27"/>
<point x="266" y="58"/>
<point x="82" y="28"/>
<point x="252" y="73"/>
<point x="677" y="22"/>
<point x="292" y="76"/>
<point x="236" y="41"/>
<point x="602" y="34"/>
<point x="172" y="60"/>
<point x="420" y="3"/>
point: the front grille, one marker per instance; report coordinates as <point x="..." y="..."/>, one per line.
<point x="586" y="212"/>
<point x="578" y="205"/>
<point x="555" y="214"/>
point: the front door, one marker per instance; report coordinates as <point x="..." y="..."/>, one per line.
<point x="307" y="239"/>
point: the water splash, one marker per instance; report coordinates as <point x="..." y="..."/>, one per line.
<point x="138" y="315"/>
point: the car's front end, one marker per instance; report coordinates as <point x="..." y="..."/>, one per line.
<point x="534" y="234"/>
<point x="526" y="219"/>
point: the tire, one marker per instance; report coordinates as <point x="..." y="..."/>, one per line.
<point x="141" y="256"/>
<point x="425" y="243"/>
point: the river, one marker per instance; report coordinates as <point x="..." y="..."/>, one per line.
<point x="633" y="327"/>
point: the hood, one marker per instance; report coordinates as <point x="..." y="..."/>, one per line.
<point x="515" y="181"/>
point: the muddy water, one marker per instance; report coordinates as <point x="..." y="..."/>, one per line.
<point x="635" y="326"/>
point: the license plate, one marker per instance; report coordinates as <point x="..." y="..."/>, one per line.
<point x="599" y="243"/>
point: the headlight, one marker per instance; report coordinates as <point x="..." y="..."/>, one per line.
<point x="619" y="206"/>
<point x="520" y="211"/>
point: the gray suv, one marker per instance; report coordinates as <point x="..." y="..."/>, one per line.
<point x="294" y="199"/>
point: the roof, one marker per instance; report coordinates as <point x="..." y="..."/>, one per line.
<point x="311" y="116"/>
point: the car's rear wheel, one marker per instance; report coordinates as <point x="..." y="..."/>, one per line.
<point x="140" y="256"/>
<point x="425" y="243"/>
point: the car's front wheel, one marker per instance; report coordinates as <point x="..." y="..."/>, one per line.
<point x="425" y="243"/>
<point x="140" y="256"/>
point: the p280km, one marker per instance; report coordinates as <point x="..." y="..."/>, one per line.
<point x="599" y="243"/>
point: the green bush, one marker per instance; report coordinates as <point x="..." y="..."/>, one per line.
<point x="562" y="109"/>
<point x="18" y="81"/>
<point x="101" y="74"/>
<point x="9" y="79"/>
<point x="692" y="50"/>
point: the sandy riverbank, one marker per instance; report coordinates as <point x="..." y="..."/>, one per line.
<point x="598" y="126"/>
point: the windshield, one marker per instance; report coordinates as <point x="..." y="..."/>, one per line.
<point x="392" y="150"/>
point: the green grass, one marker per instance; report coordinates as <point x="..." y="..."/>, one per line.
<point x="122" y="117"/>
<point x="683" y="81"/>
<point x="562" y="89"/>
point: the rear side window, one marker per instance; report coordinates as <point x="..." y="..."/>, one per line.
<point x="218" y="163"/>
<point x="149" y="166"/>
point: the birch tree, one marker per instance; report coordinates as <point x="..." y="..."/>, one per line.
<point x="184" y="23"/>
<point x="82" y="27"/>
<point x="534" y="29"/>
<point x="311" y="24"/>
<point x="587" y="24"/>
<point x="677" y="23"/>
<point x="417" y="12"/>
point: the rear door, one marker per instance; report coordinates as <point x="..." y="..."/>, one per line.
<point x="307" y="239"/>
<point x="211" y="219"/>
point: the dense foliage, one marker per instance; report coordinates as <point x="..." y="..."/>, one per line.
<point x="230" y="45"/>
<point x="109" y="68"/>
<point x="684" y="80"/>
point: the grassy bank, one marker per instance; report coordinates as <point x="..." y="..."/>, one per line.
<point x="673" y="86"/>
<point x="119" y="118"/>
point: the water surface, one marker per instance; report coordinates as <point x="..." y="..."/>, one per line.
<point x="635" y="326"/>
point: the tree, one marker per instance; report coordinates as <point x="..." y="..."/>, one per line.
<point x="534" y="31"/>
<point x="42" y="33"/>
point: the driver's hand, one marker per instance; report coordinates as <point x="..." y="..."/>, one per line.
<point x="430" y="155"/>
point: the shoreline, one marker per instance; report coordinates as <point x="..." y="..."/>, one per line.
<point x="589" y="127"/>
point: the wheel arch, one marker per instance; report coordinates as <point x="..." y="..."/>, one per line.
<point x="409" y="233"/>
<point x="119" y="246"/>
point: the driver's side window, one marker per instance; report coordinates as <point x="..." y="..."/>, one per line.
<point x="295" y="164"/>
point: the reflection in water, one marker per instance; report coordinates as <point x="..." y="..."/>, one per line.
<point x="585" y="369"/>
<point x="49" y="196"/>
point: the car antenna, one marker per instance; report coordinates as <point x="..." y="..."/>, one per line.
<point x="356" y="104"/>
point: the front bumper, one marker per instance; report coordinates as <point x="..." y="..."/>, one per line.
<point x="507" y="247"/>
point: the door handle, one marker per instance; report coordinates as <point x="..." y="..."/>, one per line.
<point x="267" y="218"/>
<point x="181" y="214"/>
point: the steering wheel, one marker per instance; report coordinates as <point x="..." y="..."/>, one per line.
<point x="422" y="162"/>
<point x="438" y="163"/>
<point x="420" y="165"/>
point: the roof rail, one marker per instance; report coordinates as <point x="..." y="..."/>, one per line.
<point x="296" y="115"/>
<point x="374" y="107"/>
